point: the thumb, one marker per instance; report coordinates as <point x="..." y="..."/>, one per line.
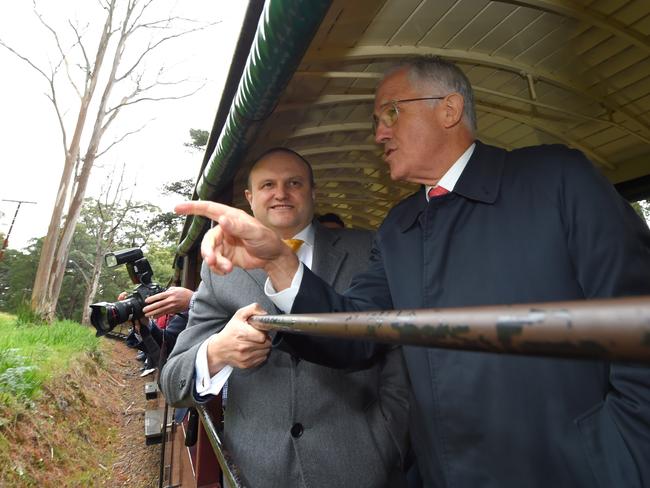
<point x="248" y="311"/>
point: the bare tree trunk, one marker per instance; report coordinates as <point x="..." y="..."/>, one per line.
<point x="54" y="256"/>
<point x="42" y="302"/>
<point x="99" y="128"/>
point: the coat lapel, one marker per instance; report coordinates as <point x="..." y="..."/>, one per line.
<point x="258" y="276"/>
<point x="328" y="259"/>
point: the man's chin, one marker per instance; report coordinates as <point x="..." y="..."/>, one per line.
<point x="395" y="175"/>
<point x="281" y="224"/>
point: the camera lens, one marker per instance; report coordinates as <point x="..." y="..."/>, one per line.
<point x="105" y="316"/>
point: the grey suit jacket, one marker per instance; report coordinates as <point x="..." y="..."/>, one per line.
<point x="290" y="422"/>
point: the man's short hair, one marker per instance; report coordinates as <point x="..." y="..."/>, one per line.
<point x="285" y="150"/>
<point x="444" y="74"/>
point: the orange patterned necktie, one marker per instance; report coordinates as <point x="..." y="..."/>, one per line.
<point x="294" y="244"/>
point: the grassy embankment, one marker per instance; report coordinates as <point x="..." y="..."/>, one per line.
<point x="48" y="388"/>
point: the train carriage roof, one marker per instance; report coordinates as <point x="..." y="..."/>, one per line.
<point x="543" y="71"/>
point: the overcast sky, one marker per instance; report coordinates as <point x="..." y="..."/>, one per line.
<point x="31" y="152"/>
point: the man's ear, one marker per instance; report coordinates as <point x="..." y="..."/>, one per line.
<point x="249" y="197"/>
<point x="454" y="104"/>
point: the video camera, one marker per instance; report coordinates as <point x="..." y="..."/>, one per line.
<point x="106" y="315"/>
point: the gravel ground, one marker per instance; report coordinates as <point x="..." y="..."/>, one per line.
<point x="138" y="464"/>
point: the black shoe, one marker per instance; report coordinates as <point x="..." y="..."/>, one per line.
<point x="141" y="356"/>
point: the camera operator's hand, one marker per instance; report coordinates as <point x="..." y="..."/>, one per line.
<point x="141" y="322"/>
<point x="122" y="295"/>
<point x="239" y="344"/>
<point x="173" y="300"/>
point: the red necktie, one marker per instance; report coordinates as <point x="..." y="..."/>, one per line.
<point x="437" y="191"/>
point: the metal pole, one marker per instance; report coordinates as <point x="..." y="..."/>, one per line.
<point x="606" y="329"/>
<point x="228" y="468"/>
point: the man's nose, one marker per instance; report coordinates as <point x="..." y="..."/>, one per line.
<point x="281" y="192"/>
<point x="382" y="133"/>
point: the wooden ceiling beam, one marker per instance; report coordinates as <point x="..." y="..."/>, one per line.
<point x="365" y="53"/>
<point x="570" y="8"/>
<point x="537" y="124"/>
<point x="360" y="98"/>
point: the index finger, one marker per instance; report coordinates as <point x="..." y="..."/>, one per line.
<point x="205" y="208"/>
<point x="157" y="297"/>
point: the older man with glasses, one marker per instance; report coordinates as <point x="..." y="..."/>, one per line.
<point x="489" y="227"/>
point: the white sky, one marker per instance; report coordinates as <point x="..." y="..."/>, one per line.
<point x="31" y="152"/>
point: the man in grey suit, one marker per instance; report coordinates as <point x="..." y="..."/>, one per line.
<point x="290" y="422"/>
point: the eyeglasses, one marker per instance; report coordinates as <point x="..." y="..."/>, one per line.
<point x="390" y="111"/>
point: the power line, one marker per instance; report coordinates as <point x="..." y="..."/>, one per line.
<point x="6" y="241"/>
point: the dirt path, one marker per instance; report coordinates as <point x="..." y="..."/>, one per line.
<point x="138" y="464"/>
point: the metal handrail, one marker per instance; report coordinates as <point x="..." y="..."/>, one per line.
<point x="228" y="468"/>
<point x="612" y="329"/>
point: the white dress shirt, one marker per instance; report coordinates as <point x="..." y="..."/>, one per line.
<point x="206" y="385"/>
<point x="450" y="178"/>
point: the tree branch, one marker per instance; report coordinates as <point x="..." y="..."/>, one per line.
<point x="155" y="99"/>
<point x="82" y="48"/>
<point x="64" y="56"/>
<point x="155" y="45"/>
<point x="120" y="139"/>
<point x="25" y="59"/>
<point x="59" y="116"/>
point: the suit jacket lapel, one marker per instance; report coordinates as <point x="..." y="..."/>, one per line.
<point x="327" y="259"/>
<point x="258" y="276"/>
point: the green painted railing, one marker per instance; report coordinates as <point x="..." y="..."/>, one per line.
<point x="283" y="35"/>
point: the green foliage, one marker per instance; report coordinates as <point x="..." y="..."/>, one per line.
<point x="118" y="226"/>
<point x="17" y="272"/>
<point x="642" y="207"/>
<point x="199" y="139"/>
<point x="25" y="315"/>
<point x="31" y="352"/>
<point x="18" y="382"/>
<point x="183" y="188"/>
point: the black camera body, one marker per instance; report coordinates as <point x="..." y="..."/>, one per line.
<point x="106" y="315"/>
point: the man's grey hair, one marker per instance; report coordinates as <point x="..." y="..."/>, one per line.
<point x="444" y="75"/>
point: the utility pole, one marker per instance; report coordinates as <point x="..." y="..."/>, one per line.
<point x="6" y="241"/>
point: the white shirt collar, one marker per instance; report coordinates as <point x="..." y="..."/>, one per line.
<point x="306" y="235"/>
<point x="306" y="251"/>
<point x="450" y="178"/>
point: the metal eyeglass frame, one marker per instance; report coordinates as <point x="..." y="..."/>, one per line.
<point x="389" y="121"/>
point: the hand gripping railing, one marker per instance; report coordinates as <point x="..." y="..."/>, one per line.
<point x="613" y="329"/>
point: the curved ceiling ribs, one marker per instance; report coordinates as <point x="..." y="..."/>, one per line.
<point x="366" y="53"/>
<point x="568" y="8"/>
<point x="535" y="122"/>
<point x="536" y="79"/>
<point x="478" y="90"/>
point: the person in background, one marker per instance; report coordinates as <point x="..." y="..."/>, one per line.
<point x="155" y="334"/>
<point x="331" y="220"/>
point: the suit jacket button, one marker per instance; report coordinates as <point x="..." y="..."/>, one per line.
<point x="296" y="430"/>
<point x="182" y="383"/>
